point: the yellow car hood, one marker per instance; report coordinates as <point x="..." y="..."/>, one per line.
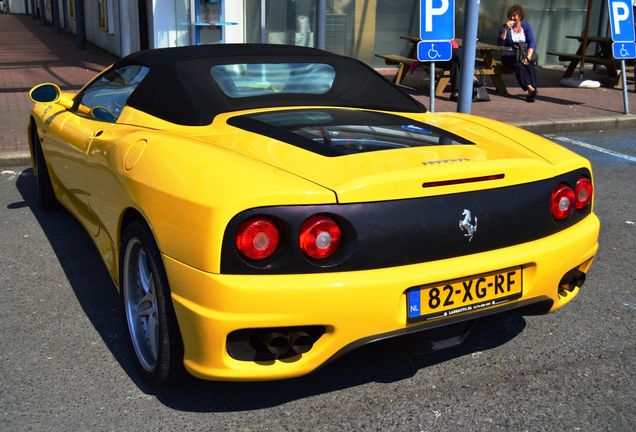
<point x="501" y="155"/>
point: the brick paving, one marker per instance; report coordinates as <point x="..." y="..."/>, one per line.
<point x="554" y="102"/>
<point x="31" y="53"/>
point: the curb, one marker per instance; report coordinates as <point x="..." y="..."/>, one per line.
<point x="17" y="158"/>
<point x="574" y="125"/>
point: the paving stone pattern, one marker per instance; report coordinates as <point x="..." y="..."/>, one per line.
<point x="31" y="53"/>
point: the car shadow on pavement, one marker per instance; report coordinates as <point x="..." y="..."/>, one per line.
<point x="386" y="361"/>
<point x="86" y="273"/>
<point x="389" y="361"/>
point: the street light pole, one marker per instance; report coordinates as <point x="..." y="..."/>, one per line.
<point x="42" y="12"/>
<point x="263" y="22"/>
<point x="321" y="16"/>
<point x="55" y="12"/>
<point x="80" y="29"/>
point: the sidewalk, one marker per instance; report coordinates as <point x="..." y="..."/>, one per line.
<point x="31" y="54"/>
<point x="556" y="108"/>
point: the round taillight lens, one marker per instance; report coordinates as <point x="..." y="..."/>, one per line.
<point x="562" y="202"/>
<point x="584" y="190"/>
<point x="319" y="237"/>
<point x="257" y="238"/>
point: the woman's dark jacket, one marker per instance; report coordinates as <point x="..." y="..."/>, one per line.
<point x="527" y="30"/>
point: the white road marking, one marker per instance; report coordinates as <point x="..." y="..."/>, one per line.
<point x="593" y="147"/>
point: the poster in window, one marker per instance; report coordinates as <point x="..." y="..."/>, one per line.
<point x="102" y="14"/>
<point x="71" y="9"/>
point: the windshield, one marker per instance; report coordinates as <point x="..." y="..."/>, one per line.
<point x="258" y="79"/>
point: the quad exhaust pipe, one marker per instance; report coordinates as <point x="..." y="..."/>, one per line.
<point x="279" y="343"/>
<point x="300" y="342"/>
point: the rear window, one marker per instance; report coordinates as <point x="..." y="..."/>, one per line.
<point x="258" y="79"/>
<point x="334" y="132"/>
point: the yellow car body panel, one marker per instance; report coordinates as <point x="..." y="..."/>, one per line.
<point x="184" y="198"/>
<point x="352" y="305"/>
<point x="184" y="201"/>
<point x="191" y="183"/>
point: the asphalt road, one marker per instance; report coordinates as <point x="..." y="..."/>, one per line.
<point x="65" y="362"/>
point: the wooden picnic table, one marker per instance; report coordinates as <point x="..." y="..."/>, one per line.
<point x="603" y="56"/>
<point x="485" y="57"/>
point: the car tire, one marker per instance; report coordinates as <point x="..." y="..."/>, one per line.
<point x="150" y="316"/>
<point x="44" y="187"/>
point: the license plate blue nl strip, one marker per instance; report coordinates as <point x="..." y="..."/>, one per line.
<point x="414" y="302"/>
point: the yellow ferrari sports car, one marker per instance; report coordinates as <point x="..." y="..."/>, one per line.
<point x="264" y="209"/>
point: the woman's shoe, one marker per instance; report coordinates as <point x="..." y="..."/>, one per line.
<point x="453" y="97"/>
<point x="531" y="96"/>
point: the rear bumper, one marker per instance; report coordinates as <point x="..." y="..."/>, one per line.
<point x="356" y="307"/>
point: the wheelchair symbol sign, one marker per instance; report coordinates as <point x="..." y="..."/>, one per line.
<point x="624" y="50"/>
<point x="434" y="51"/>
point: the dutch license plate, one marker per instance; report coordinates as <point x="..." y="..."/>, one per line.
<point x="445" y="299"/>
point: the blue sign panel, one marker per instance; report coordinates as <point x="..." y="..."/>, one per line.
<point x="624" y="50"/>
<point x="434" y="51"/>
<point x="437" y="20"/>
<point x="621" y="20"/>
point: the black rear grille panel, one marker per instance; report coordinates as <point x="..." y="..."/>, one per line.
<point x="400" y="232"/>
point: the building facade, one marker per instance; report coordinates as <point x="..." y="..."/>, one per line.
<point x="357" y="28"/>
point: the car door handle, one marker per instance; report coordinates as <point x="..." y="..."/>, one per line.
<point x="99" y="132"/>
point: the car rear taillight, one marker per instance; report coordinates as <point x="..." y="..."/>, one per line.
<point x="584" y="190"/>
<point x="257" y="238"/>
<point x="562" y="202"/>
<point x="319" y="237"/>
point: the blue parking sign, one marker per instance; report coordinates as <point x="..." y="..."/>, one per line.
<point x="434" y="51"/>
<point x="437" y="20"/>
<point x="624" y="50"/>
<point x="621" y="20"/>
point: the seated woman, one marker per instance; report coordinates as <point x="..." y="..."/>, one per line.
<point x="517" y="31"/>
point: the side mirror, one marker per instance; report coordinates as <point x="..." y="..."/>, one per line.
<point x="45" y="93"/>
<point x="103" y="114"/>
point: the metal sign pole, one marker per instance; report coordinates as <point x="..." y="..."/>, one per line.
<point x="437" y="29"/>
<point x="624" y="78"/>
<point x="431" y="87"/>
<point x="623" y="35"/>
<point x="471" y="19"/>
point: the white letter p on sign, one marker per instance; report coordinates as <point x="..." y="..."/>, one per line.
<point x="430" y="11"/>
<point x="619" y="12"/>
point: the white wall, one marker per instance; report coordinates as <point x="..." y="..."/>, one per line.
<point x="107" y="40"/>
<point x="234" y="12"/>
<point x="17" y="6"/>
<point x="163" y="23"/>
<point x="129" y="27"/>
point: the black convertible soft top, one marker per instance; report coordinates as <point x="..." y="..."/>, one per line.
<point x="179" y="87"/>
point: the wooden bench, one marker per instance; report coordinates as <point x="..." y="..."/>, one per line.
<point x="619" y="80"/>
<point x="490" y="68"/>
<point x="588" y="58"/>
<point x="404" y="64"/>
<point x="612" y="65"/>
